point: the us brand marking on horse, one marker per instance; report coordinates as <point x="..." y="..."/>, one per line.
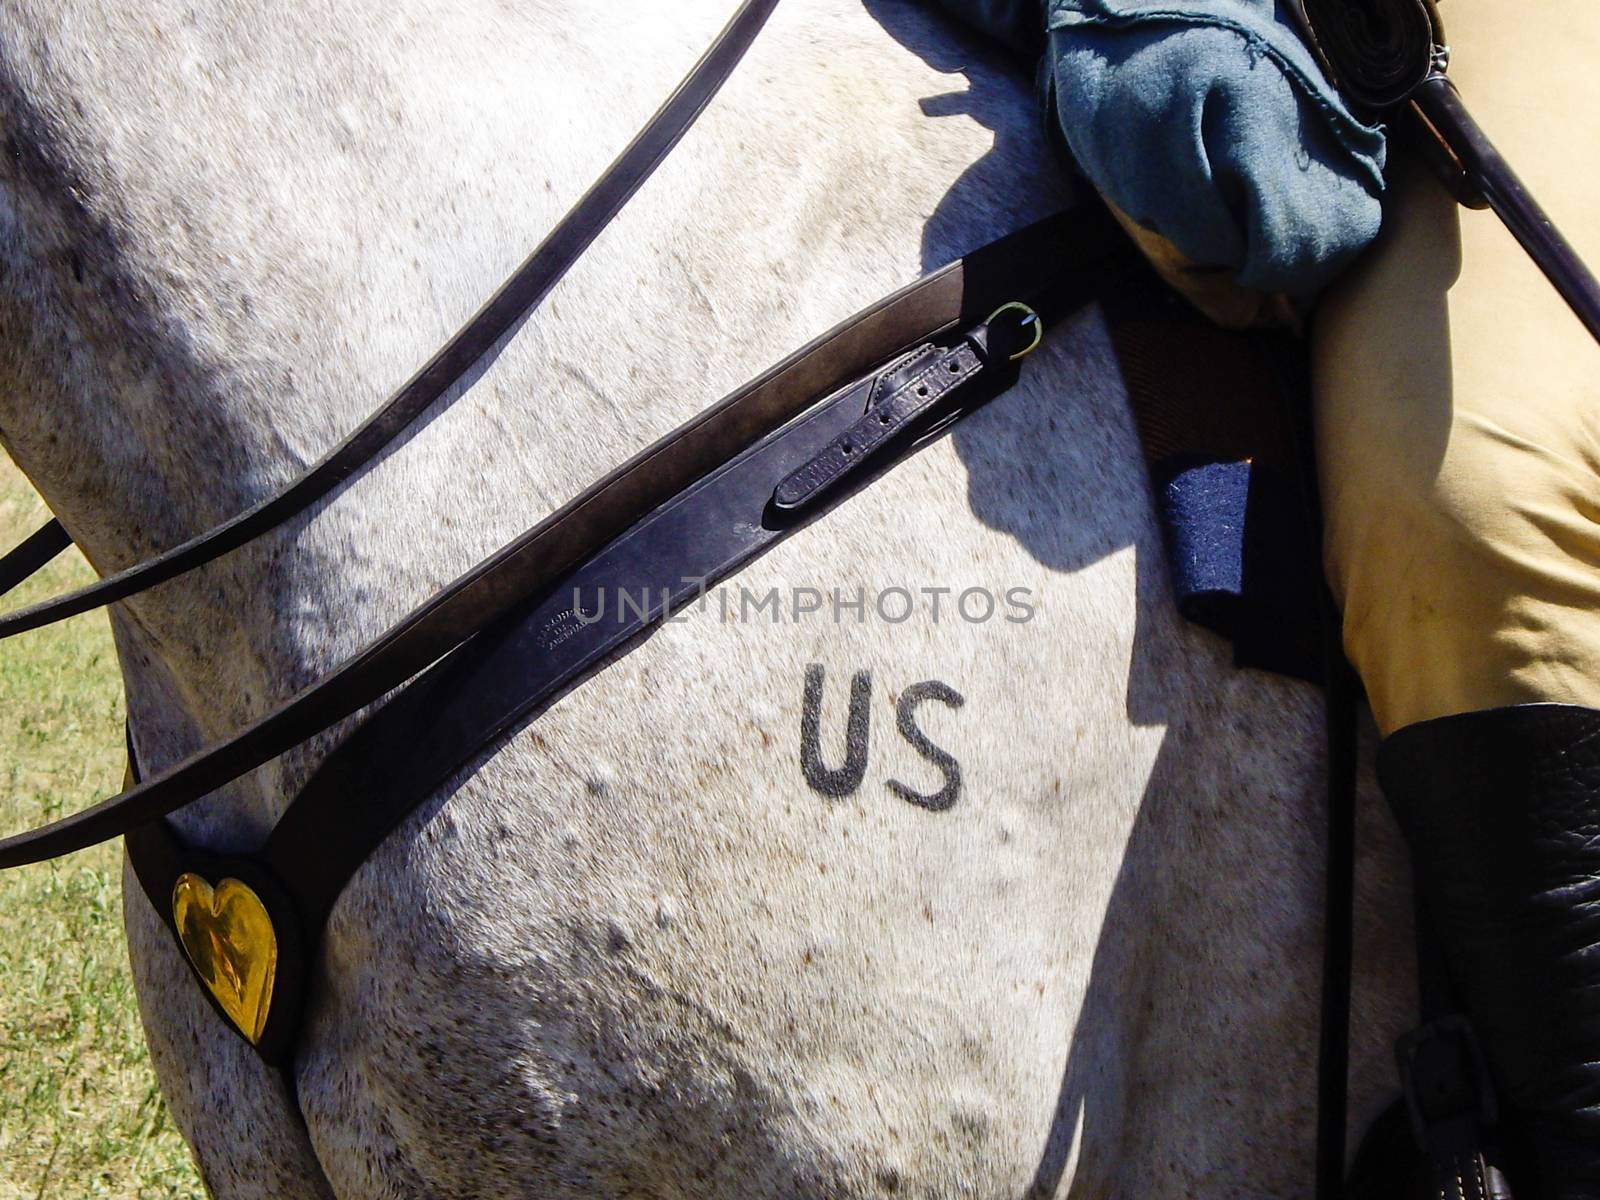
<point x="845" y="779"/>
<point x="836" y="781"/>
<point x="905" y="711"/>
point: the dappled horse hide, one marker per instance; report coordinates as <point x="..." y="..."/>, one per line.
<point x="637" y="949"/>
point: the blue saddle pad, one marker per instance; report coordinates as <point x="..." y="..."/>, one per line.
<point x="1221" y="418"/>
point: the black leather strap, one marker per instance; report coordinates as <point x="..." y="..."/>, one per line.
<point x="446" y="717"/>
<point x="1081" y="242"/>
<point x="1446" y="1089"/>
<point x="25" y="559"/>
<point x="913" y="394"/>
<point x="900" y="394"/>
<point x="517" y="297"/>
<point x="907" y="395"/>
<point x="1450" y="1102"/>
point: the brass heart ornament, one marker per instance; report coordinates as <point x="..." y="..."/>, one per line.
<point x="229" y="939"/>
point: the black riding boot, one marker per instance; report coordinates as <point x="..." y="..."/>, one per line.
<point x="1502" y="811"/>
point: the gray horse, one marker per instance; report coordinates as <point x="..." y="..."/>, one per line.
<point x="633" y="952"/>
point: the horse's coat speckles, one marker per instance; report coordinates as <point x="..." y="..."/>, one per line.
<point x="782" y="1017"/>
<point x="617" y="939"/>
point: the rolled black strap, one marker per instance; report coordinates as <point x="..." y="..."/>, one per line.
<point x="1377" y="52"/>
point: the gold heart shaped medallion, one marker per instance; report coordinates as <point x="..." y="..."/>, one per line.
<point x="228" y="936"/>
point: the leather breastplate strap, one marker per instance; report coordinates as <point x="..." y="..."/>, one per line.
<point x="1081" y="244"/>
<point x="1383" y="54"/>
<point x="446" y="717"/>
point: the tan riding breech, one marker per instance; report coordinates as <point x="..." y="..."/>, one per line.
<point x="1458" y="403"/>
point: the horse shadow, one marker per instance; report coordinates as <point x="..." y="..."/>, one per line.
<point x="1001" y="479"/>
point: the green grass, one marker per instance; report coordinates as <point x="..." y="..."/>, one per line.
<point x="80" y="1114"/>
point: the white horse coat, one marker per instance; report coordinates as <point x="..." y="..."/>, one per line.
<point x="632" y="952"/>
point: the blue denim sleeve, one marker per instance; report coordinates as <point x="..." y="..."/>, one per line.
<point x="1209" y="122"/>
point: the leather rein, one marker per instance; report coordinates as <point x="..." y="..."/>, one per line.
<point x="486" y="591"/>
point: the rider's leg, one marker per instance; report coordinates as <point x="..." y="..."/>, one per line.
<point x="1459" y="432"/>
<point x="1458" y="413"/>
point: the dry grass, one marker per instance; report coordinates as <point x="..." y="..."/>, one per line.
<point x="80" y="1115"/>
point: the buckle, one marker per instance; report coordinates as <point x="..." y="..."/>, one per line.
<point x="917" y="395"/>
<point x="1449" y="1094"/>
<point x="1026" y="330"/>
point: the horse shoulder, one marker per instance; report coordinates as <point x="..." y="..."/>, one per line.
<point x="1004" y="945"/>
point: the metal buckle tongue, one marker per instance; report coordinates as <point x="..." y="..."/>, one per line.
<point x="913" y="393"/>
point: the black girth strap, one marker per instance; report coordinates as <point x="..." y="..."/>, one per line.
<point x="445" y="718"/>
<point x="517" y="297"/>
<point x="1020" y="265"/>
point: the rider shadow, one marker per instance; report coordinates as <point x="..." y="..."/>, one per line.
<point x="1014" y="183"/>
<point x="1047" y="482"/>
<point x="1052" y="483"/>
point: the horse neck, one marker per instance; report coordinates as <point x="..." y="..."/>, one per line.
<point x="225" y="258"/>
<point x="200" y="306"/>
